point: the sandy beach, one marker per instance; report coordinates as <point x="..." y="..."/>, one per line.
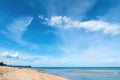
<point x="12" y="73"/>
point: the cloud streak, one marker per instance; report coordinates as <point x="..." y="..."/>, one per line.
<point x="65" y="23"/>
<point x="79" y="7"/>
<point x="16" y="29"/>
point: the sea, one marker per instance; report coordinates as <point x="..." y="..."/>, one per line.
<point x="83" y="73"/>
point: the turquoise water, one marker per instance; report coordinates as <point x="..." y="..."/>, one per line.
<point x="77" y="73"/>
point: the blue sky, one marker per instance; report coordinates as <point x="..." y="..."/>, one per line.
<point x="60" y="32"/>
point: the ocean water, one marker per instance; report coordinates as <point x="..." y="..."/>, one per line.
<point x="84" y="73"/>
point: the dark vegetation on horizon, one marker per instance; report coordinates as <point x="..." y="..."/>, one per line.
<point x="2" y="64"/>
<point x="20" y="66"/>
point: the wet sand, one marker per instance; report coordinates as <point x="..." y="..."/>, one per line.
<point x="91" y="72"/>
<point x="12" y="73"/>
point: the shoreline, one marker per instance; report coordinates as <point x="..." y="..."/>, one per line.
<point x="14" y="73"/>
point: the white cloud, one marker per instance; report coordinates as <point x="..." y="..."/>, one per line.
<point x="16" y="58"/>
<point x="10" y="55"/>
<point x="66" y="23"/>
<point x="16" y="29"/>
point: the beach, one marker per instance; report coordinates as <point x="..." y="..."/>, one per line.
<point x="13" y="73"/>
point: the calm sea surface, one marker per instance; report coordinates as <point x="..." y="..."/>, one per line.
<point x="84" y="73"/>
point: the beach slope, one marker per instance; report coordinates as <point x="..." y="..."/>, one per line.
<point x="12" y="73"/>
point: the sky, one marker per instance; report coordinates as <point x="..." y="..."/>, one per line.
<point x="60" y="33"/>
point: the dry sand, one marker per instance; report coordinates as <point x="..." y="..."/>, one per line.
<point x="10" y="73"/>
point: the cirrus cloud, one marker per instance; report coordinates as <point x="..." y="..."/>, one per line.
<point x="14" y="31"/>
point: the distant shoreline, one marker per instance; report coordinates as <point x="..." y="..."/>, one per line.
<point x="77" y="67"/>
